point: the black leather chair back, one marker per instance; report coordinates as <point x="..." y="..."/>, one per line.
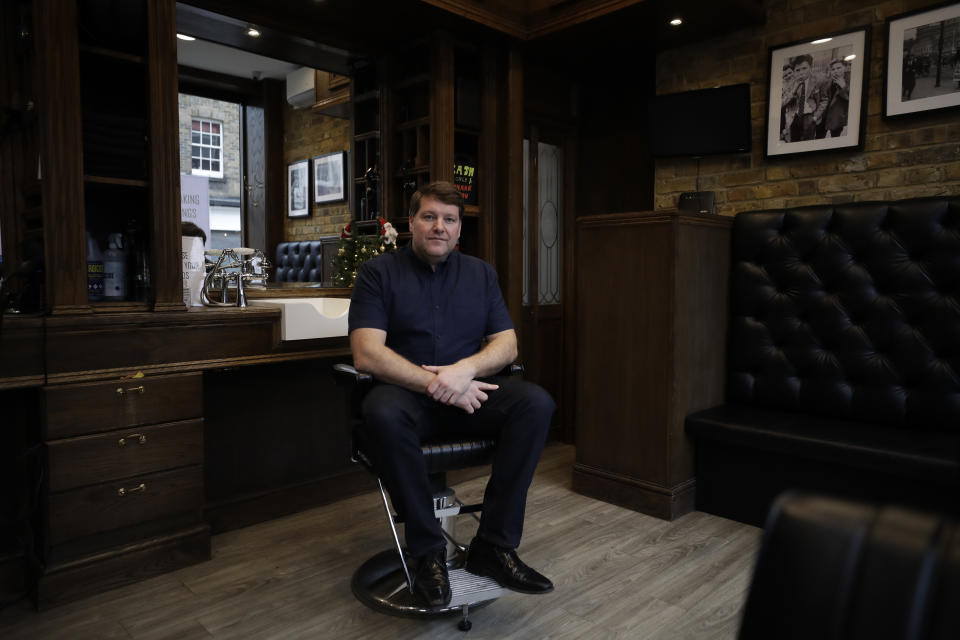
<point x="839" y="570"/>
<point x="850" y="311"/>
<point x="306" y="261"/>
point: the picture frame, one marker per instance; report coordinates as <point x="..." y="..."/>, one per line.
<point x="922" y="71"/>
<point x="298" y="189"/>
<point x="329" y="177"/>
<point x="828" y="75"/>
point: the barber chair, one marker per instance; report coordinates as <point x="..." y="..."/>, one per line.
<point x="384" y="582"/>
<point x="832" y="568"/>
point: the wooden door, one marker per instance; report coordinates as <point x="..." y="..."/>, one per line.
<point x="546" y="351"/>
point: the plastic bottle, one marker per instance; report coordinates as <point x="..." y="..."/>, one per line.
<point x="94" y="270"/>
<point x="115" y="269"/>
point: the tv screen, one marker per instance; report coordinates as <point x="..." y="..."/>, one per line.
<point x="700" y="123"/>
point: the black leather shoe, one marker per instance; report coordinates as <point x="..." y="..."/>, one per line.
<point x="503" y="565"/>
<point x="431" y="582"/>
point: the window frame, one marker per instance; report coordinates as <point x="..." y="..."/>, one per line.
<point x="200" y="171"/>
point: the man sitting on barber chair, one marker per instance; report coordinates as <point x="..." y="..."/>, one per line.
<point x="431" y="326"/>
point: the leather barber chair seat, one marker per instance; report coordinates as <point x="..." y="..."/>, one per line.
<point x="831" y="568"/>
<point x="384" y="582"/>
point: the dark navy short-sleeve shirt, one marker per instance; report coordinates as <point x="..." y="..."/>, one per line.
<point x="431" y="317"/>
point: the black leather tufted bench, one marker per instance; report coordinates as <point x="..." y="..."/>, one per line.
<point x="843" y="359"/>
<point x="307" y="261"/>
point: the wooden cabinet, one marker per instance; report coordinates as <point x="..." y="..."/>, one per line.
<point x="427" y="113"/>
<point x="124" y="471"/>
<point x="106" y="89"/>
<point x="651" y="334"/>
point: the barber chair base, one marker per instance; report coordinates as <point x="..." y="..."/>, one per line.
<point x="380" y="584"/>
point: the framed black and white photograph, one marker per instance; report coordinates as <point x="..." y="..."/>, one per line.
<point x="817" y="94"/>
<point x="923" y="61"/>
<point x="298" y="189"/>
<point x="329" y="177"/>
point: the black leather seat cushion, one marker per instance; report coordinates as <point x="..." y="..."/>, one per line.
<point x="934" y="457"/>
<point x="443" y="455"/>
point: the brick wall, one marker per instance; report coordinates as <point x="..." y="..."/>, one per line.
<point x="912" y="156"/>
<point x="305" y="135"/>
<point x="229" y="114"/>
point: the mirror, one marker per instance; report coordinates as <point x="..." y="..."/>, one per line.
<point x="228" y="116"/>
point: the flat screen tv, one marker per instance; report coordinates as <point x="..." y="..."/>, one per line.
<point x="700" y="123"/>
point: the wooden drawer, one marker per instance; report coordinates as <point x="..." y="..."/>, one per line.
<point x="89" y="407"/>
<point x="111" y="505"/>
<point x="84" y="460"/>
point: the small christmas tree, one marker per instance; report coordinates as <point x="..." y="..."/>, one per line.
<point x="354" y="250"/>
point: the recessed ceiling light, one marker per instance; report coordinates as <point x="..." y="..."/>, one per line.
<point x="253" y="32"/>
<point x="850" y="57"/>
<point x="821" y="40"/>
<point x="676" y="22"/>
<point x="183" y="36"/>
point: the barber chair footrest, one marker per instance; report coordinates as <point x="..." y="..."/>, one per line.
<point x="380" y="584"/>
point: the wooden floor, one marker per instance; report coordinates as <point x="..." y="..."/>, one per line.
<point x="618" y="574"/>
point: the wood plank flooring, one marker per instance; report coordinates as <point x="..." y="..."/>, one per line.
<point x="618" y="574"/>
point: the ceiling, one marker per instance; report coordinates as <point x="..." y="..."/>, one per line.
<point x="210" y="56"/>
<point x="335" y="34"/>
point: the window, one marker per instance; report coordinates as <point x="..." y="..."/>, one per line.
<point x="206" y="148"/>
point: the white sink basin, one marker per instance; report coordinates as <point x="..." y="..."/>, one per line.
<point x="308" y="318"/>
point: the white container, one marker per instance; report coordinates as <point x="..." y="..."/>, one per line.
<point x="193" y="270"/>
<point x="115" y="269"/>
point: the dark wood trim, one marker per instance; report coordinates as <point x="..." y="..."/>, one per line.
<point x="165" y="156"/>
<point x="486" y="247"/>
<point x="56" y="56"/>
<point x="441" y="108"/>
<point x="272" y="96"/>
<point x="569" y="319"/>
<point x="250" y="509"/>
<point x="218" y="86"/>
<point x="509" y="222"/>
<point x="512" y="25"/>
<point x="117" y="567"/>
<point x="667" y="503"/>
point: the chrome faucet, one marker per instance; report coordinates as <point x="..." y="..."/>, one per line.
<point x="238" y="267"/>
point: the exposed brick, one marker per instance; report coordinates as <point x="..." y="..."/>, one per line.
<point x="843" y="198"/>
<point x="847" y="182"/>
<point x="889" y="178"/>
<point x="918" y="191"/>
<point x="679" y="184"/>
<point x="871" y="195"/>
<point x="739" y="194"/>
<point x="923" y="175"/>
<point x="823" y="168"/>
<point x="951" y="171"/>
<point x="778" y="172"/>
<point x="856" y="163"/>
<point x="804" y="201"/>
<point x="881" y="160"/>
<point x="806" y="187"/>
<point x="749" y="176"/>
<point x="776" y="189"/>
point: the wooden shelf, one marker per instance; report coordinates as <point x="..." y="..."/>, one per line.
<point x="400" y="173"/>
<point x="367" y="135"/>
<point x="111" y="53"/>
<point x="125" y="182"/>
<point x="373" y="94"/>
<point x="471" y="210"/>
<point x="413" y="124"/>
<point x="412" y="81"/>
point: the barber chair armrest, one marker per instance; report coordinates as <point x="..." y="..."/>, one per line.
<point x="348" y="375"/>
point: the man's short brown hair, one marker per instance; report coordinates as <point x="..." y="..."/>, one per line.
<point x="444" y="192"/>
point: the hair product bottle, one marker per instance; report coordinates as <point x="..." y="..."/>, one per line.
<point x="115" y="269"/>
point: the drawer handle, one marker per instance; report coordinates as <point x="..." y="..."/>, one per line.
<point x="141" y="438"/>
<point x="139" y="389"/>
<point x="140" y="487"/>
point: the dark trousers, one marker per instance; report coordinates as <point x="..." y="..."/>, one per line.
<point x="517" y="415"/>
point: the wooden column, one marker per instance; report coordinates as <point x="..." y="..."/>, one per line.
<point x="164" y="155"/>
<point x="509" y="220"/>
<point x="61" y="154"/>
<point x="441" y="109"/>
<point x="651" y="320"/>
